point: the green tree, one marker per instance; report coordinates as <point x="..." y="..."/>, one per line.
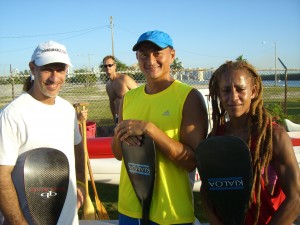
<point x="83" y="76"/>
<point x="121" y="66"/>
<point x="241" y="58"/>
<point x="176" y="65"/>
<point x="25" y="72"/>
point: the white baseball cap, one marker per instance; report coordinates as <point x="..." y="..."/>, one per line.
<point x="50" y="52"/>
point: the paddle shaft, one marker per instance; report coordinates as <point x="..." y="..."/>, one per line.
<point x="100" y="209"/>
<point x="88" y="207"/>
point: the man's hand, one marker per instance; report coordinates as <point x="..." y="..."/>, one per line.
<point x="80" y="196"/>
<point x="131" y="131"/>
<point x="82" y="116"/>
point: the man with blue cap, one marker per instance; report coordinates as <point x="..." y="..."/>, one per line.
<point x="174" y="115"/>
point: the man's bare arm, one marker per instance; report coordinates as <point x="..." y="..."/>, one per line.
<point x="79" y="162"/>
<point x="125" y="83"/>
<point x="286" y="166"/>
<point x="116" y="144"/>
<point x="80" y="172"/>
<point x="111" y="97"/>
<point x="130" y="83"/>
<point x="9" y="203"/>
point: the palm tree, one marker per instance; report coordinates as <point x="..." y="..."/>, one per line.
<point x="176" y="65"/>
<point x="241" y="58"/>
<point x="177" y="68"/>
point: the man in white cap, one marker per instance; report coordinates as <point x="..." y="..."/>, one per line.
<point x="174" y="115"/>
<point x="40" y="118"/>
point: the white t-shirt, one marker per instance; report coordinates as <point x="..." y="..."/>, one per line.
<point x="1" y="219"/>
<point x="26" y="124"/>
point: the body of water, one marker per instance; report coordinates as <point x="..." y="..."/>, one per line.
<point x="267" y="83"/>
<point x="281" y="83"/>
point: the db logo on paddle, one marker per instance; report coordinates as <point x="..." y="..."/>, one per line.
<point x="49" y="194"/>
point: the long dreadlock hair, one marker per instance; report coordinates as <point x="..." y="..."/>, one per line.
<point x="260" y="123"/>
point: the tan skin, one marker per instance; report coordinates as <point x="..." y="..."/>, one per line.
<point x="236" y="92"/>
<point x="48" y="82"/>
<point x="155" y="64"/>
<point x="82" y="116"/>
<point x="117" y="85"/>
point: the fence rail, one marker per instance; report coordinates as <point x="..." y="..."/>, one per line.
<point x="282" y="95"/>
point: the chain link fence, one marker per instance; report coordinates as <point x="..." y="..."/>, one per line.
<point x="281" y="91"/>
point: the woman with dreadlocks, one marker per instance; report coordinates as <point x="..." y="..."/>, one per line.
<point x="236" y="94"/>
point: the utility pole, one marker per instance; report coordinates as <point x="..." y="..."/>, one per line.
<point x="276" y="78"/>
<point x="112" y="35"/>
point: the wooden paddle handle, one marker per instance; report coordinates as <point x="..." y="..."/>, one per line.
<point x="100" y="209"/>
<point x="79" y="107"/>
<point x="92" y="177"/>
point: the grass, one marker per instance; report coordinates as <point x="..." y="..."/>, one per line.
<point x="275" y="96"/>
<point x="108" y="195"/>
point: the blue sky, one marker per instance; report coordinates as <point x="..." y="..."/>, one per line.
<point x="205" y="33"/>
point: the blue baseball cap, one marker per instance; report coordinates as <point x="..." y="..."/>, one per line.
<point x="159" y="38"/>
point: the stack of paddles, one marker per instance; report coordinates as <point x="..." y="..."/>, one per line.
<point x="89" y="211"/>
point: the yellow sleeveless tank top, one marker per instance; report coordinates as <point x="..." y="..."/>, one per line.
<point x="172" y="198"/>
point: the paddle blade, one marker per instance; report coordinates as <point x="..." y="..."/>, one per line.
<point x="140" y="165"/>
<point x="225" y="168"/>
<point x="89" y="210"/>
<point x="46" y="181"/>
<point x="101" y="211"/>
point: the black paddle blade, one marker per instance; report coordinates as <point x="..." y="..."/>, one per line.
<point x="140" y="165"/>
<point x="225" y="168"/>
<point x="46" y="180"/>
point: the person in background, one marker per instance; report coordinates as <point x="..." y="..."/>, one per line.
<point x="39" y="118"/>
<point x="174" y="115"/>
<point x="236" y="93"/>
<point x="117" y="85"/>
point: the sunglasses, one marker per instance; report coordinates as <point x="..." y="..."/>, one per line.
<point x="108" y="65"/>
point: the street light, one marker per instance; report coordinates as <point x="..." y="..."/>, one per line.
<point x="112" y="35"/>
<point x="275" y="60"/>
